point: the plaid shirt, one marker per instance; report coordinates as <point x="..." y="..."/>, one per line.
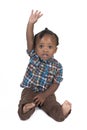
<point x="40" y="74"/>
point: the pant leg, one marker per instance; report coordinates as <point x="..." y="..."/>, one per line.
<point x="26" y="97"/>
<point x="53" y="108"/>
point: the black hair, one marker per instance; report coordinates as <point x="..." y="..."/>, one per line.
<point x="43" y="32"/>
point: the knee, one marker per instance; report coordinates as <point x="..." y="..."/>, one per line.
<point x="59" y="119"/>
<point x="22" y="116"/>
<point x="25" y="116"/>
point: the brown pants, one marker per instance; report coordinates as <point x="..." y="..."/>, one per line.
<point x="50" y="106"/>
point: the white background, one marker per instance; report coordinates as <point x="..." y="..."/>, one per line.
<point x="67" y="18"/>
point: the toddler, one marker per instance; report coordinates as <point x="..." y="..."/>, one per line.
<point x="43" y="74"/>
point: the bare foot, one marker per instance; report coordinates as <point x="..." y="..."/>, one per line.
<point x="27" y="107"/>
<point x="66" y="106"/>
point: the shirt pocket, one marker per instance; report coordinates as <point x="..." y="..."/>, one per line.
<point x="50" y="79"/>
<point x="51" y="75"/>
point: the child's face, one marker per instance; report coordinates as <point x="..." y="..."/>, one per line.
<point x="46" y="47"/>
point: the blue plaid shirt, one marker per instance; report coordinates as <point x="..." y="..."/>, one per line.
<point x="40" y="74"/>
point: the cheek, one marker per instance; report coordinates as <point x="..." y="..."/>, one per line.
<point x="54" y="50"/>
<point x="38" y="51"/>
<point x="51" y="53"/>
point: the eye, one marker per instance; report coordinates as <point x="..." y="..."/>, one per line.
<point x="50" y="47"/>
<point x="40" y="46"/>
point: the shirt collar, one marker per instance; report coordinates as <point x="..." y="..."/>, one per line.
<point x="49" y="61"/>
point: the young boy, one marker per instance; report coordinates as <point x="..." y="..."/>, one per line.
<point x="43" y="75"/>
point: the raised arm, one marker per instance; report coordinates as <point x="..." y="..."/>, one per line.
<point x="29" y="33"/>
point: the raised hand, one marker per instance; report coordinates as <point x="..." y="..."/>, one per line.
<point x="35" y="16"/>
<point x="29" y="33"/>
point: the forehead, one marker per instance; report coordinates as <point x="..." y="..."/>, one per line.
<point x="47" y="37"/>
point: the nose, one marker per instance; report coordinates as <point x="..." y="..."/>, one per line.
<point x="45" y="49"/>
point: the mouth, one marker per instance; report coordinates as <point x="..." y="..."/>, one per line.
<point x="45" y="55"/>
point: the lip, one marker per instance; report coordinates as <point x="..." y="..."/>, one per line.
<point x="45" y="56"/>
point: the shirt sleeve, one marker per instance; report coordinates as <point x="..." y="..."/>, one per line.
<point x="31" y="53"/>
<point x="59" y="74"/>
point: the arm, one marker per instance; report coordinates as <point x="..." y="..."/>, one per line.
<point x="40" y="98"/>
<point x="29" y="33"/>
<point x="51" y="89"/>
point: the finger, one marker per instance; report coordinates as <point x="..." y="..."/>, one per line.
<point x="37" y="102"/>
<point x="35" y="98"/>
<point x="32" y="12"/>
<point x="41" y="104"/>
<point x="38" y="14"/>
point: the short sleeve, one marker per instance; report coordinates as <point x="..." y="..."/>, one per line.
<point x="59" y="74"/>
<point x="31" y="53"/>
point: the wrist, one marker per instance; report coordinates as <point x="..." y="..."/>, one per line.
<point x="45" y="94"/>
<point x="30" y="23"/>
